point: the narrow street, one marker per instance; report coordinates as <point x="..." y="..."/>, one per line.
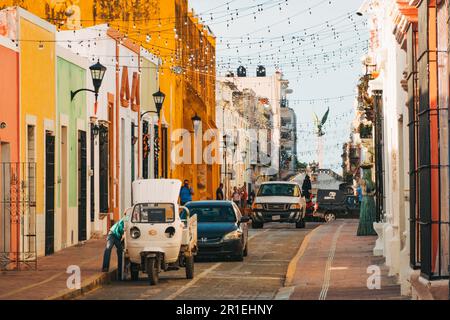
<point x="260" y="276"/>
<point x="138" y="133"/>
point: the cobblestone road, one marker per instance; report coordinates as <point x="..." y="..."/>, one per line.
<point x="259" y="277"/>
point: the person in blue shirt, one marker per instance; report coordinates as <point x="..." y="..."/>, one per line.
<point x="186" y="193"/>
<point x="114" y="239"/>
<point x="359" y="189"/>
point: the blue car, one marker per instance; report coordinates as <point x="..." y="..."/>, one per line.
<point x="222" y="231"/>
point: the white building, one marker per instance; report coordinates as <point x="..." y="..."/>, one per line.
<point x="269" y="87"/>
<point x="390" y="61"/>
<point x="232" y="122"/>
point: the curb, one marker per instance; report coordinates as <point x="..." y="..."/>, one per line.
<point x="285" y="292"/>
<point x="293" y="264"/>
<point x="89" y="285"/>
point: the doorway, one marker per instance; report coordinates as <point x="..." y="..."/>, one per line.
<point x="82" y="187"/>
<point x="5" y="195"/>
<point x="122" y="165"/>
<point x="49" y="193"/>
<point x="64" y="183"/>
<point x="103" y="169"/>
<point x="92" y="170"/>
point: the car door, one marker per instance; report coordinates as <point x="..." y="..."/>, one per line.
<point x="243" y="226"/>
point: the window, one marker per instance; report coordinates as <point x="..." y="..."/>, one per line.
<point x="211" y="214"/>
<point x="284" y="190"/>
<point x="153" y="213"/>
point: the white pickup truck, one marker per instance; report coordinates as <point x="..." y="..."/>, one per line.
<point x="279" y="201"/>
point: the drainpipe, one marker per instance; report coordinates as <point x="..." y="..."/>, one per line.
<point x="116" y="182"/>
<point x="139" y="121"/>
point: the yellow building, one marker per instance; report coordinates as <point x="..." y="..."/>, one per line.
<point x="187" y="71"/>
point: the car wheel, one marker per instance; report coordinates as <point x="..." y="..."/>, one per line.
<point x="257" y="225"/>
<point x="329" y="217"/>
<point x="300" y="224"/>
<point x="239" y="257"/>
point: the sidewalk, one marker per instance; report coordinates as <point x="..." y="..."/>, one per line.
<point x="49" y="280"/>
<point x="332" y="265"/>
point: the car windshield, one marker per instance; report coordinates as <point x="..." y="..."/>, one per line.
<point x="153" y="213"/>
<point x="281" y="189"/>
<point x="213" y="213"/>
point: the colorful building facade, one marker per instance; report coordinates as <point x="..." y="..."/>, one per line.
<point x="72" y="132"/>
<point x="9" y="149"/>
<point x="409" y="46"/>
<point x="186" y="49"/>
<point x="37" y="96"/>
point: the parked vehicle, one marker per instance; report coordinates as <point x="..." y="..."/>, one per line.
<point x="333" y="204"/>
<point x="157" y="239"/>
<point x="222" y="229"/>
<point x="279" y="202"/>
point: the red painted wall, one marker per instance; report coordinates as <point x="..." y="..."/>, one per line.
<point x="9" y="114"/>
<point x="9" y="99"/>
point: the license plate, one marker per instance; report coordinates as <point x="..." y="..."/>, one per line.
<point x="276" y="218"/>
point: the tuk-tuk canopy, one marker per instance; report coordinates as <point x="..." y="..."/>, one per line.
<point x="156" y="191"/>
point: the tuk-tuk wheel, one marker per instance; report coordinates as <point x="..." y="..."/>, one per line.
<point x="152" y="271"/>
<point x="189" y="262"/>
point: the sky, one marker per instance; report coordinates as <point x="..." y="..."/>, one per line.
<point x="317" y="44"/>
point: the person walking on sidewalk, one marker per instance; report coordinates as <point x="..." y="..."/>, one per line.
<point x="244" y="196"/>
<point x="306" y="188"/>
<point x="236" y="196"/>
<point x="115" y="237"/>
<point x="367" y="215"/>
<point x="219" y="192"/>
<point x="186" y="193"/>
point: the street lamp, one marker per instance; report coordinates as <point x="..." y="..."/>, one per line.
<point x="158" y="98"/>
<point x="97" y="74"/>
<point x="95" y="130"/>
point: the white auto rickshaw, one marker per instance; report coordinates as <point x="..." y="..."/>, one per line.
<point x="156" y="238"/>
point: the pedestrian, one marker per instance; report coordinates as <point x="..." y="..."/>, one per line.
<point x="114" y="238"/>
<point x="306" y="188"/>
<point x="251" y="197"/>
<point x="219" y="192"/>
<point x="186" y="193"/>
<point x="367" y="215"/>
<point x="236" y="196"/>
<point x="244" y="196"/>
